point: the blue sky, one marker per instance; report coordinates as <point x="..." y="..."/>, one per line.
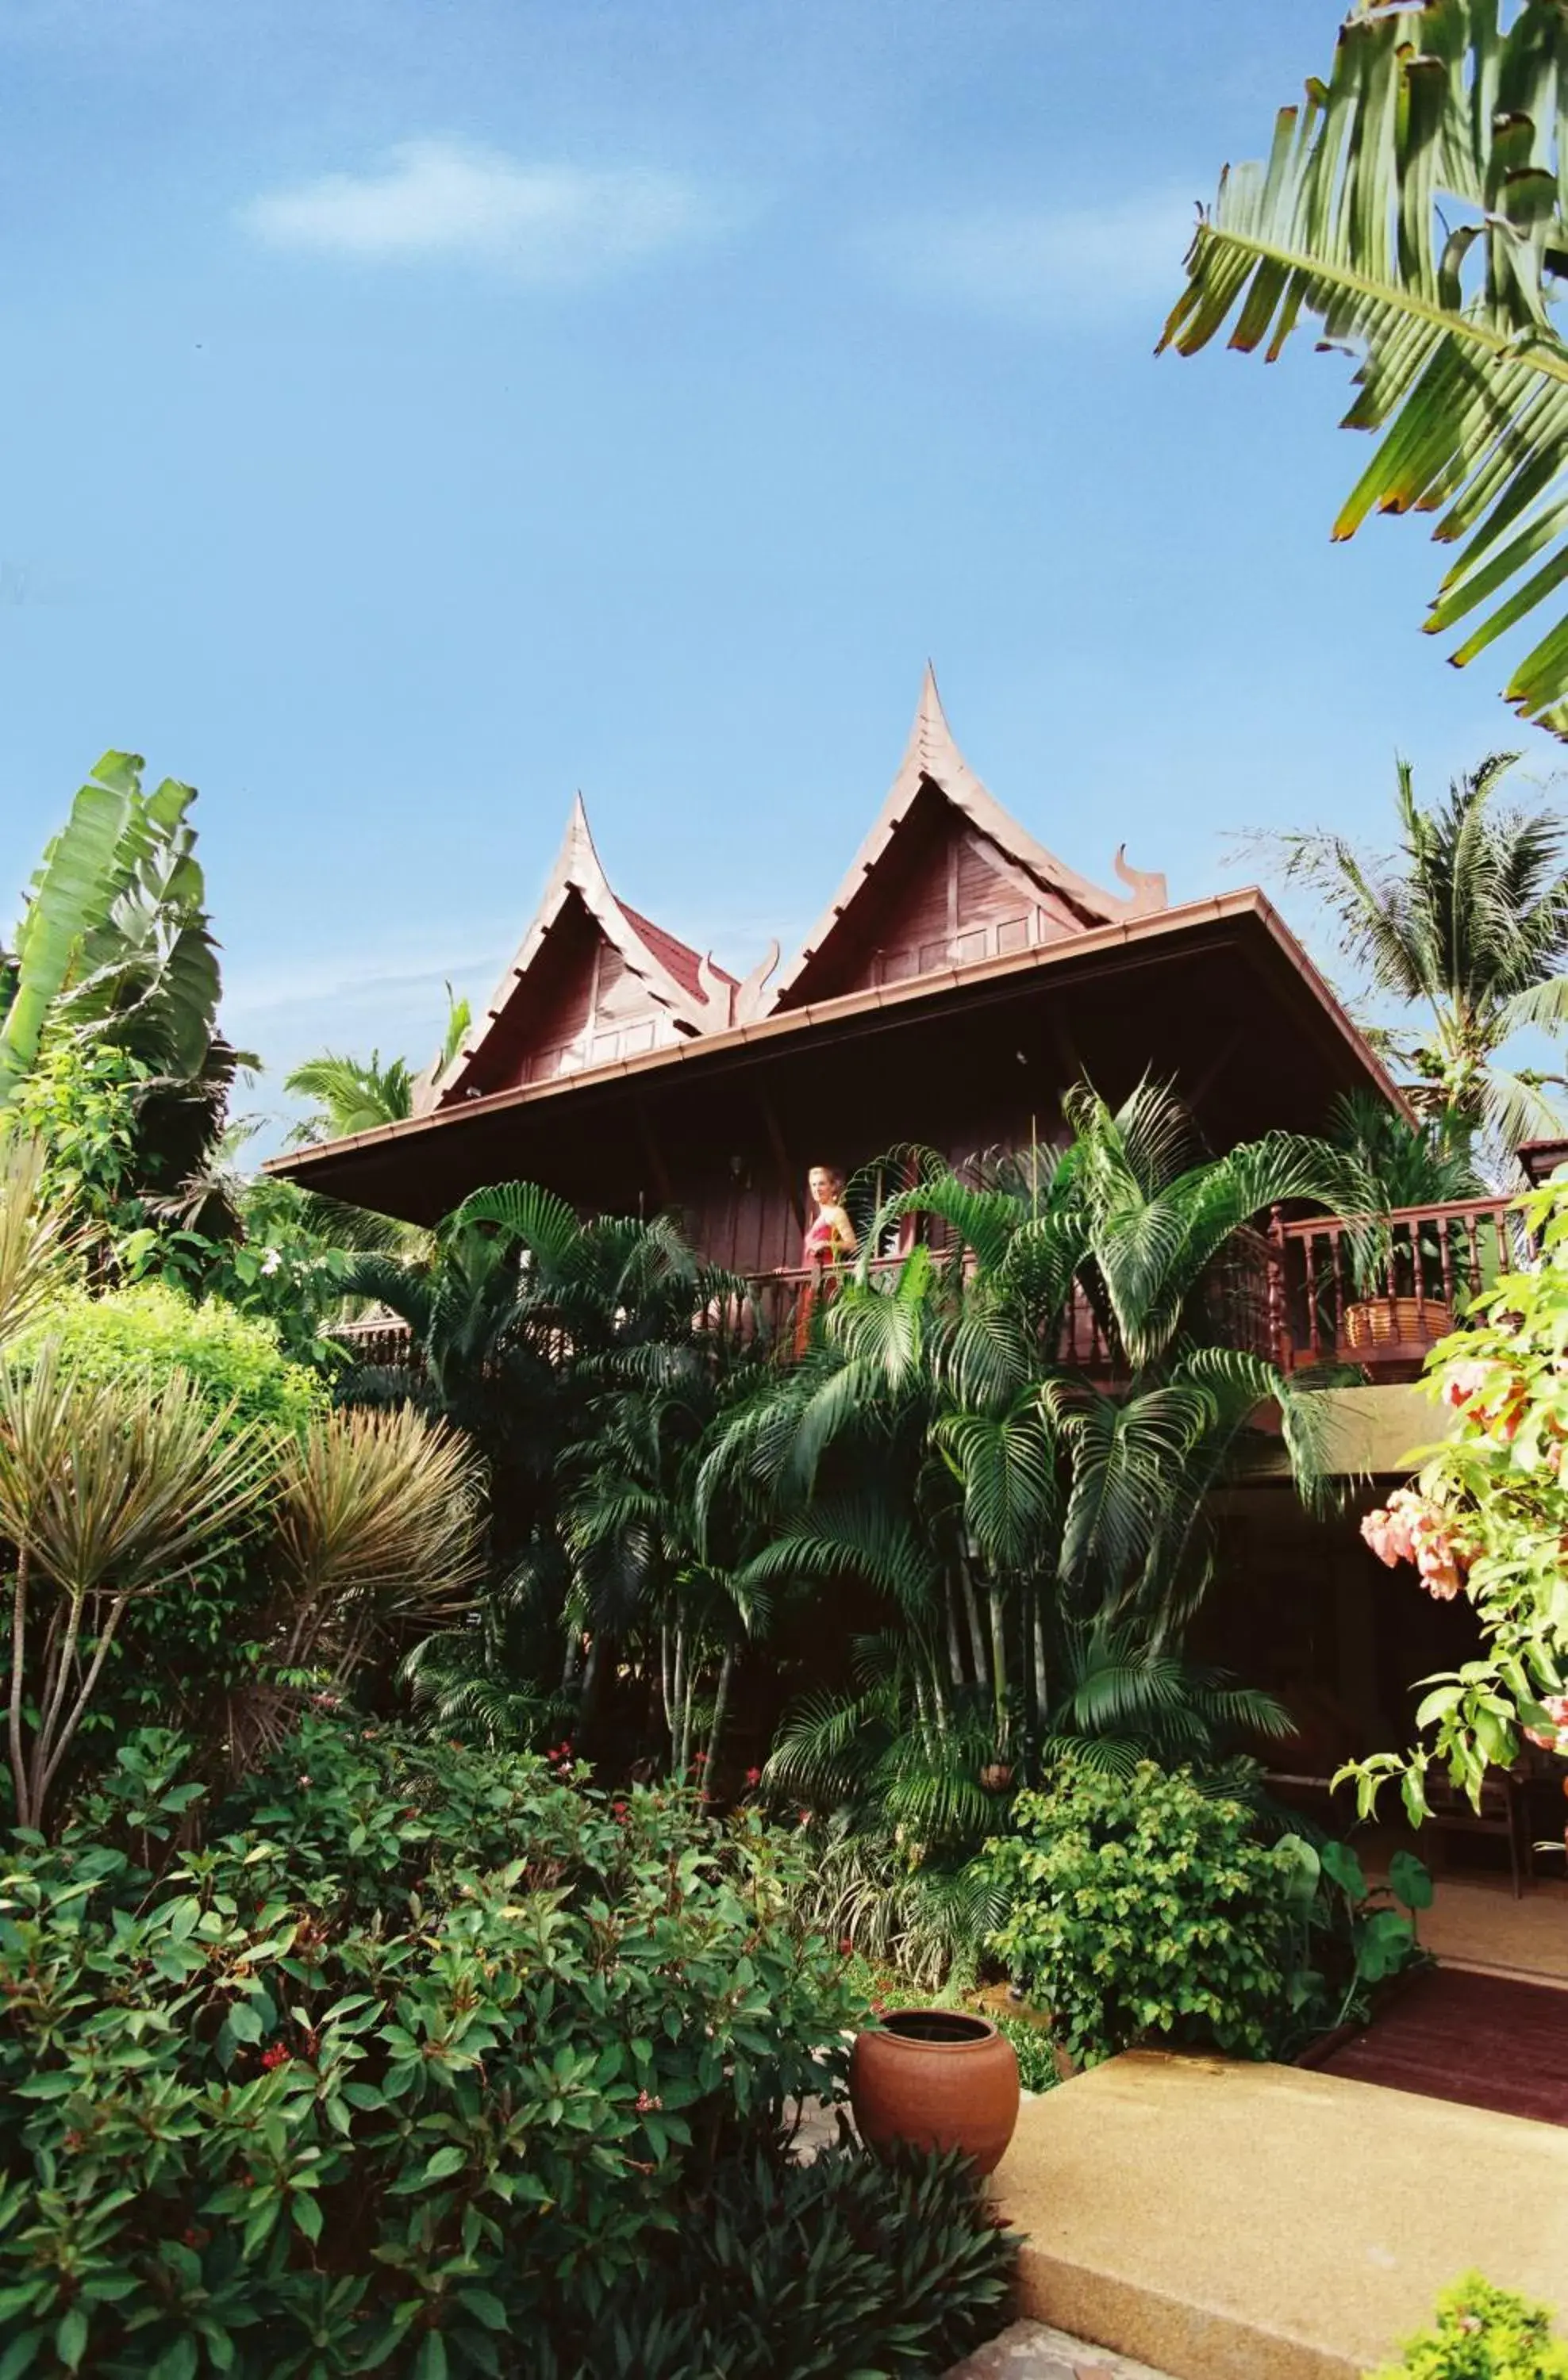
<point x="412" y="414"/>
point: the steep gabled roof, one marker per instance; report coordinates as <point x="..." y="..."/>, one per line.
<point x="699" y="996"/>
<point x="932" y="762"/>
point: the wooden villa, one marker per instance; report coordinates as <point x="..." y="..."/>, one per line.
<point x="959" y="979"/>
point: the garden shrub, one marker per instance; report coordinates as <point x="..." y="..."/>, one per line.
<point x="152" y="1332"/>
<point x="424" y="2054"/>
<point x="1484" y="2333"/>
<point x="1141" y="1908"/>
<point x="803" y="2272"/>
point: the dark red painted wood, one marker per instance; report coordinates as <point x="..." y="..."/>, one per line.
<point x="1482" y="2040"/>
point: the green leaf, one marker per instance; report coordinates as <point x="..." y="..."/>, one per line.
<point x="70" y="2338"/>
<point x="66" y="897"/>
<point x="448" y="2160"/>
<point x="430" y="2361"/>
<point x="179" y="2360"/>
<point x="1409" y="1880"/>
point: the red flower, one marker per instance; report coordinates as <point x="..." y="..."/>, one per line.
<point x="647" y="2102"/>
<point x="618" y="1812"/>
<point x="700" y="1760"/>
<point x="846" y="1946"/>
<point x="754" y="1776"/>
<point x="276" y="2056"/>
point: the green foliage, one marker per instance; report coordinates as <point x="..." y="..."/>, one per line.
<point x="1490" y="1515"/>
<point x="67" y="897"/>
<point x="152" y="1333"/>
<point x="1484" y="2333"/>
<point x="1435" y="252"/>
<point x="805" y="2272"/>
<point x="1033" y="2048"/>
<point x="1347" y="1937"/>
<point x="419" y="2054"/>
<point x="1144" y="1909"/>
<point x="1464" y="924"/>
<point x="79" y="1103"/>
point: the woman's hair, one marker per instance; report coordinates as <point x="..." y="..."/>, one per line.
<point x="834" y="1173"/>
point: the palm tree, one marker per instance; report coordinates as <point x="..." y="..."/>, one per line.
<point x="580" y="1357"/>
<point x="1465" y="922"/>
<point x="354" y="1095"/>
<point x="351" y="1095"/>
<point x="1414" y="208"/>
<point x="1033" y="1530"/>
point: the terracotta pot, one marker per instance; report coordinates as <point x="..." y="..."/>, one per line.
<point x="939" y="2079"/>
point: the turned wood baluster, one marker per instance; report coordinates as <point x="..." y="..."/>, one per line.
<point x="1474" y="1255"/>
<point x="1279" y="1333"/>
<point x="1313" y="1336"/>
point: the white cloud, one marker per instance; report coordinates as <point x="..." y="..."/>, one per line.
<point x="443" y="198"/>
<point x="1043" y="264"/>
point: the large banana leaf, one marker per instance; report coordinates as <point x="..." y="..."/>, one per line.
<point x="1416" y="206"/>
<point x="66" y="900"/>
<point x="147" y="973"/>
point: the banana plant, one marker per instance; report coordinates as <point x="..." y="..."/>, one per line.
<point x="67" y="897"/>
<point x="1416" y="207"/>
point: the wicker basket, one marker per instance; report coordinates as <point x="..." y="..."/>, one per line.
<point x="1383" y="1326"/>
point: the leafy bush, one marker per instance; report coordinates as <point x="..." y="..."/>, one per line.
<point x="1349" y="1936"/>
<point x="1484" y="2333"/>
<point x="152" y="1333"/>
<point x="416" y="2056"/>
<point x="1143" y="1907"/>
<point x="804" y="2273"/>
<point x="1033" y="2048"/>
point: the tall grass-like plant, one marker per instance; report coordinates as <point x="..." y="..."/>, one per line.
<point x="108" y="1491"/>
<point x="37" y="1252"/>
<point x="377" y="1528"/>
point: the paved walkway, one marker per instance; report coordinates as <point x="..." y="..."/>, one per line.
<point x="1031" y="2350"/>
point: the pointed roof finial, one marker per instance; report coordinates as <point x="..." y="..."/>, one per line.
<point x="931" y="757"/>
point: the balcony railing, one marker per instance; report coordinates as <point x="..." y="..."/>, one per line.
<point x="1326" y="1289"/>
<point x="1382" y="1295"/>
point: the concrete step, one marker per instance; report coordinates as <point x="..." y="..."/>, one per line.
<point x="1224" y="2221"/>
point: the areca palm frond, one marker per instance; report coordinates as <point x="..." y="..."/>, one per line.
<point x="1126" y="1699"/>
<point x="842" y="1541"/>
<point x="1415" y="207"/>
<point x="1007" y="1467"/>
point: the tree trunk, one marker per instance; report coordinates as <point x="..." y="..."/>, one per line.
<point x="976" y="1639"/>
<point x="999" y="1663"/>
<point x="955" y="1647"/>
<point x="721" y="1696"/>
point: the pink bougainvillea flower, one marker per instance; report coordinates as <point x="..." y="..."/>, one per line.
<point x="1462" y="1382"/>
<point x="1555" y="1737"/>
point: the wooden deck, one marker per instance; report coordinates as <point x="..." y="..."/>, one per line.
<point x="1477" y="2041"/>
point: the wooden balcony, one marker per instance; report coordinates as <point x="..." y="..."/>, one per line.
<point x="1382" y="1297"/>
<point x="1323" y="1289"/>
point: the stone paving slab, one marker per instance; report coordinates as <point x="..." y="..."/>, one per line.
<point x="1032" y="2351"/>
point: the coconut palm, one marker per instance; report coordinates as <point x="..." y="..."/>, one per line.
<point x="351" y="1095"/>
<point x="1413" y="209"/>
<point x="1465" y="923"/>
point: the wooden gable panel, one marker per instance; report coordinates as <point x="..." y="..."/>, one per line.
<point x="583" y="1007"/>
